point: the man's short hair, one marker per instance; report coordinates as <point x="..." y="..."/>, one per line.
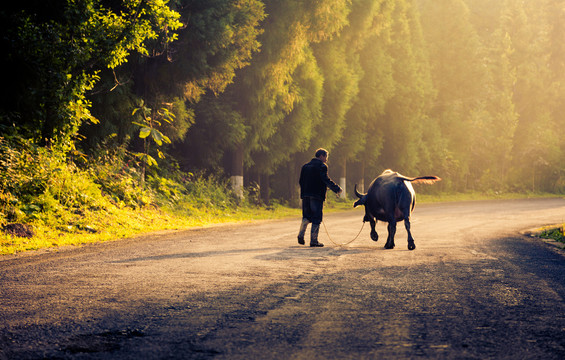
<point x="321" y="152"/>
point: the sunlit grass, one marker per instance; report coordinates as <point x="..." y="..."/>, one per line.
<point x="114" y="223"/>
<point x="125" y="223"/>
<point x="556" y="233"/>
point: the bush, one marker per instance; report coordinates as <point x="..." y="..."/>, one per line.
<point x="25" y="173"/>
<point x="557" y="234"/>
<point x="118" y="174"/>
<point x="61" y="203"/>
<point x="24" y="167"/>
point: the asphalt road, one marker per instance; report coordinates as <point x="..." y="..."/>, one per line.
<point x="474" y="288"/>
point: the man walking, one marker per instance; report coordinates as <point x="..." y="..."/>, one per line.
<point x="314" y="181"/>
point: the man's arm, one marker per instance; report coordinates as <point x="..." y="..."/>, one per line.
<point x="329" y="183"/>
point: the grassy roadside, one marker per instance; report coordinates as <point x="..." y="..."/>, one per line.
<point x="118" y="223"/>
<point x="114" y="222"/>
<point x="48" y="201"/>
<point x="556" y="233"/>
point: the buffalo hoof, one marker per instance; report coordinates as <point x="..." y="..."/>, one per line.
<point x="411" y="246"/>
<point x="374" y="236"/>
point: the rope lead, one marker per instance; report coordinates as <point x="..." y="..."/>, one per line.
<point x="344" y="244"/>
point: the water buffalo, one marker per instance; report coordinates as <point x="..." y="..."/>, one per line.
<point x="391" y="198"/>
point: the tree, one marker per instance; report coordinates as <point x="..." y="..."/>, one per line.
<point x="360" y="90"/>
<point x="536" y="145"/>
<point x="459" y="77"/>
<point x="270" y="99"/>
<point x="299" y="127"/>
<point x="219" y="37"/>
<point x="149" y="121"/>
<point x="58" y="49"/>
<point x="556" y="20"/>
<point x="405" y="116"/>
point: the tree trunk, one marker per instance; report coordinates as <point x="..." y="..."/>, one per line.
<point x="361" y="185"/>
<point x="237" y="171"/>
<point x="265" y="188"/>
<point x="292" y="182"/>
<point x="343" y="178"/>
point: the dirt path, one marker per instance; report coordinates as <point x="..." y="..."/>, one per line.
<point x="474" y="288"/>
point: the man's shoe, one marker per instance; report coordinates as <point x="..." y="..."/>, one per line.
<point x="314" y="236"/>
<point x="301" y="240"/>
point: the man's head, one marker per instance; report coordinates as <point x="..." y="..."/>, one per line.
<point x="322" y="154"/>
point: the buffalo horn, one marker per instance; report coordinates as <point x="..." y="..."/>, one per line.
<point x="359" y="195"/>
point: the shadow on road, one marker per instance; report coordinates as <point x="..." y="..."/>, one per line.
<point x="193" y="255"/>
<point x="306" y="252"/>
<point x="285" y="254"/>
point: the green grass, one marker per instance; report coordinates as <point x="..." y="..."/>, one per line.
<point x="556" y="233"/>
<point x="117" y="223"/>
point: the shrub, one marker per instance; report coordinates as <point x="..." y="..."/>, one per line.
<point x="554" y="233"/>
<point x="119" y="177"/>
<point x="25" y="172"/>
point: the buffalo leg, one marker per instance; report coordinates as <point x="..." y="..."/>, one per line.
<point x="373" y="223"/>
<point x="411" y="245"/>
<point x="391" y="232"/>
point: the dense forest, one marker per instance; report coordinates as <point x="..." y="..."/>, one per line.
<point x="470" y="90"/>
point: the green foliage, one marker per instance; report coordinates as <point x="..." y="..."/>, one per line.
<point x="273" y="104"/>
<point x="458" y="88"/>
<point x="183" y="119"/>
<point x="25" y="173"/>
<point x="58" y="48"/>
<point x="406" y="123"/>
<point x="297" y="127"/>
<point x="190" y="194"/>
<point x="65" y="204"/>
<point x="219" y="129"/>
<point x="118" y="174"/>
<point x="150" y="120"/>
<point x="35" y="180"/>
<point x="557" y="234"/>
<point x="220" y="38"/>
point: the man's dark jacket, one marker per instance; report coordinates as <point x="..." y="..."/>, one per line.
<point x="314" y="180"/>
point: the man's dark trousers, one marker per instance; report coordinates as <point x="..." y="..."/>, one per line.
<point x="312" y="209"/>
<point x="311" y="213"/>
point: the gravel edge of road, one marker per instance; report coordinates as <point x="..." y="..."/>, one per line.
<point x="535" y="233"/>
